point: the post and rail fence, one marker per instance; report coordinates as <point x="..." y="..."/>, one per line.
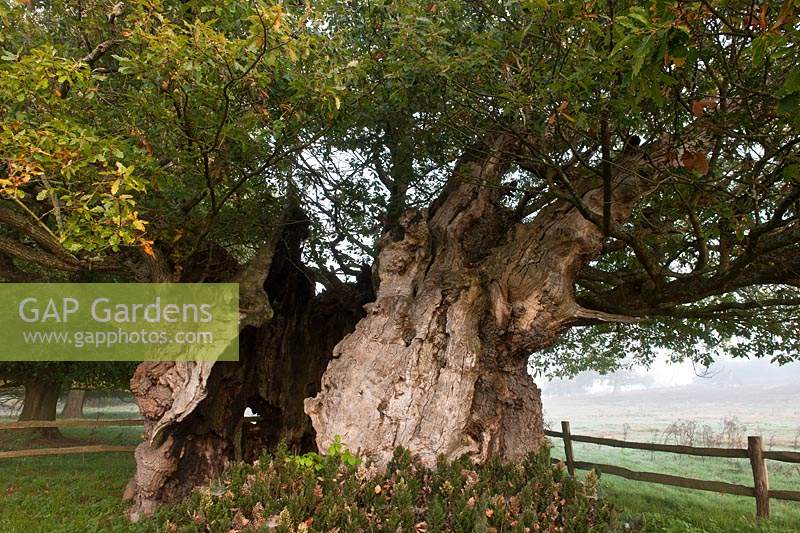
<point x="755" y="452"/>
<point x="69" y="423"/>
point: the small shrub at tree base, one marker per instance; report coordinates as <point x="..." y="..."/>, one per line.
<point x="337" y="492"/>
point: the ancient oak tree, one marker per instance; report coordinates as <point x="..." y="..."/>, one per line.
<point x="425" y="203"/>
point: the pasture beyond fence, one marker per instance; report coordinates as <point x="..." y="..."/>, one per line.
<point x="755" y="453"/>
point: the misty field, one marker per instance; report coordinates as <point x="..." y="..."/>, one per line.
<point x="699" y="415"/>
<point x="772" y="412"/>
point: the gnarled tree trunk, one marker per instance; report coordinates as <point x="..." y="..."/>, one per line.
<point x="194" y="411"/>
<point x="439" y="363"/>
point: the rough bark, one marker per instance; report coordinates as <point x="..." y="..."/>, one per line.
<point x="194" y="412"/>
<point x="292" y="351"/>
<point x="40" y="403"/>
<point x="73" y="406"/>
<point x="439" y="363"/>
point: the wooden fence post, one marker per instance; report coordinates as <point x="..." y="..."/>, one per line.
<point x="755" y="450"/>
<point x="568" y="447"/>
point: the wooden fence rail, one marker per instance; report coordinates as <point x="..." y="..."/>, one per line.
<point x="69" y="423"/>
<point x="755" y="453"/>
<point x="74" y="423"/>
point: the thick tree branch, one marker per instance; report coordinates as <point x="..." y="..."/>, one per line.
<point x="27" y="253"/>
<point x="35" y="231"/>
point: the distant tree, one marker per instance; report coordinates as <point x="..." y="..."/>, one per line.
<point x="44" y="383"/>
<point x="580" y="383"/>
<point x="73" y="403"/>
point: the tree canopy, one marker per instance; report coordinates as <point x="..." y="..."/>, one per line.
<point x="174" y="133"/>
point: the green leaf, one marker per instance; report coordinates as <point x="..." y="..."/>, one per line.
<point x="792" y="83"/>
<point x="759" y="49"/>
<point x="639" y="56"/>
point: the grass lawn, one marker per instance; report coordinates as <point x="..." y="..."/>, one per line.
<point x="69" y="493"/>
<point x="73" y="493"/>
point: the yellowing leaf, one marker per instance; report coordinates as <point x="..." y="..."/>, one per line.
<point x="147" y="247"/>
<point x="276" y="24"/>
<point x="115" y="187"/>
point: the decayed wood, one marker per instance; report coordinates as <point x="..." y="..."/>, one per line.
<point x="194" y="427"/>
<point x="760" y="478"/>
<point x="666" y="479"/>
<point x="568" y="447"/>
<point x="71" y="423"/>
<point x="37" y="452"/>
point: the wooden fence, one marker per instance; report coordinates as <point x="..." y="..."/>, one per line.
<point x="68" y="423"/>
<point x="755" y="453"/>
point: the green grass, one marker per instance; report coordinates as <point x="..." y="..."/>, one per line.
<point x="656" y="507"/>
<point x="83" y="492"/>
<point x="68" y="493"/>
<point x="74" y="493"/>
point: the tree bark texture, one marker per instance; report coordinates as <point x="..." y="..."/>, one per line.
<point x="439" y="364"/>
<point x="194" y="412"/>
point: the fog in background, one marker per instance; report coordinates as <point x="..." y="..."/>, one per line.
<point x="727" y="373"/>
